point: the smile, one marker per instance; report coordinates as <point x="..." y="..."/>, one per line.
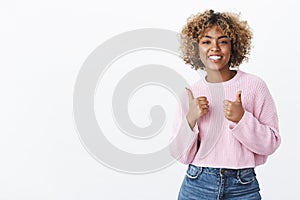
<point x="215" y="57"/>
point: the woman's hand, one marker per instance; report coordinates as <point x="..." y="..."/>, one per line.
<point x="197" y="108"/>
<point x="233" y="110"/>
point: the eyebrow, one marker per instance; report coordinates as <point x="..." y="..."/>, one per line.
<point x="223" y="36"/>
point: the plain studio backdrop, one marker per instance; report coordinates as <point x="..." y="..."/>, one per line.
<point x="43" y="45"/>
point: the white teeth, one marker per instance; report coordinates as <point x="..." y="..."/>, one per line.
<point x="215" y="57"/>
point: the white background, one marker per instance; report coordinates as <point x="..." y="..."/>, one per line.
<point x="42" y="47"/>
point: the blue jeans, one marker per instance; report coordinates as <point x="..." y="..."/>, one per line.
<point x="204" y="183"/>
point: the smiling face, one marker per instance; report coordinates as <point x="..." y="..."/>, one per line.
<point x="215" y="50"/>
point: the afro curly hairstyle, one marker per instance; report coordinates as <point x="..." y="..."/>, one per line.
<point x="237" y="30"/>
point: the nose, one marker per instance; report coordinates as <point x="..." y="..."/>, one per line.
<point x="215" y="46"/>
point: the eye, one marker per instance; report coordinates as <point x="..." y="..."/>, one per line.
<point x="224" y="42"/>
<point x="205" y="42"/>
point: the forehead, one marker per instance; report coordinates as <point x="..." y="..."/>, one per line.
<point x="213" y="31"/>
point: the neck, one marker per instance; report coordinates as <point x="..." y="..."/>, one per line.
<point x="214" y="76"/>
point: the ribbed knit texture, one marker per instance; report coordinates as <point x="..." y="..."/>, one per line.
<point x="218" y="142"/>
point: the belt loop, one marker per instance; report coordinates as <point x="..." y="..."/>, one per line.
<point x="222" y="171"/>
<point x="200" y="170"/>
<point x="238" y="173"/>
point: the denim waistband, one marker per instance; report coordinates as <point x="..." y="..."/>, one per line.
<point x="221" y="171"/>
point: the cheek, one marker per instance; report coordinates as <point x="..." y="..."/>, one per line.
<point x="202" y="52"/>
<point x="202" y="56"/>
<point x="227" y="51"/>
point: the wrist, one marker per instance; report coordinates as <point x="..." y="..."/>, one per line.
<point x="191" y="122"/>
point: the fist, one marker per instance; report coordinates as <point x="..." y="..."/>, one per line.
<point x="197" y="107"/>
<point x="233" y="110"/>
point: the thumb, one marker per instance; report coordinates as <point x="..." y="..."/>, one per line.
<point x="238" y="97"/>
<point x="190" y="94"/>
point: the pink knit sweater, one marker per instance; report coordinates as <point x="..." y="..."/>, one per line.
<point x="218" y="142"/>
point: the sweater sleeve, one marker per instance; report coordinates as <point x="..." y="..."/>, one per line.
<point x="258" y="130"/>
<point x="184" y="140"/>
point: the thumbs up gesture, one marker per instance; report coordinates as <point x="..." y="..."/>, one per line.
<point x="234" y="111"/>
<point x="197" y="108"/>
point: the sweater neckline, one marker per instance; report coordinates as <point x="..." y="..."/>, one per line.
<point x="233" y="79"/>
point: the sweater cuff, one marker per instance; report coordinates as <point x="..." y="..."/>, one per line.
<point x="187" y="127"/>
<point x="234" y="126"/>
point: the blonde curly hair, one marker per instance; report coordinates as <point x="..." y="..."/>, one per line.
<point x="237" y="30"/>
